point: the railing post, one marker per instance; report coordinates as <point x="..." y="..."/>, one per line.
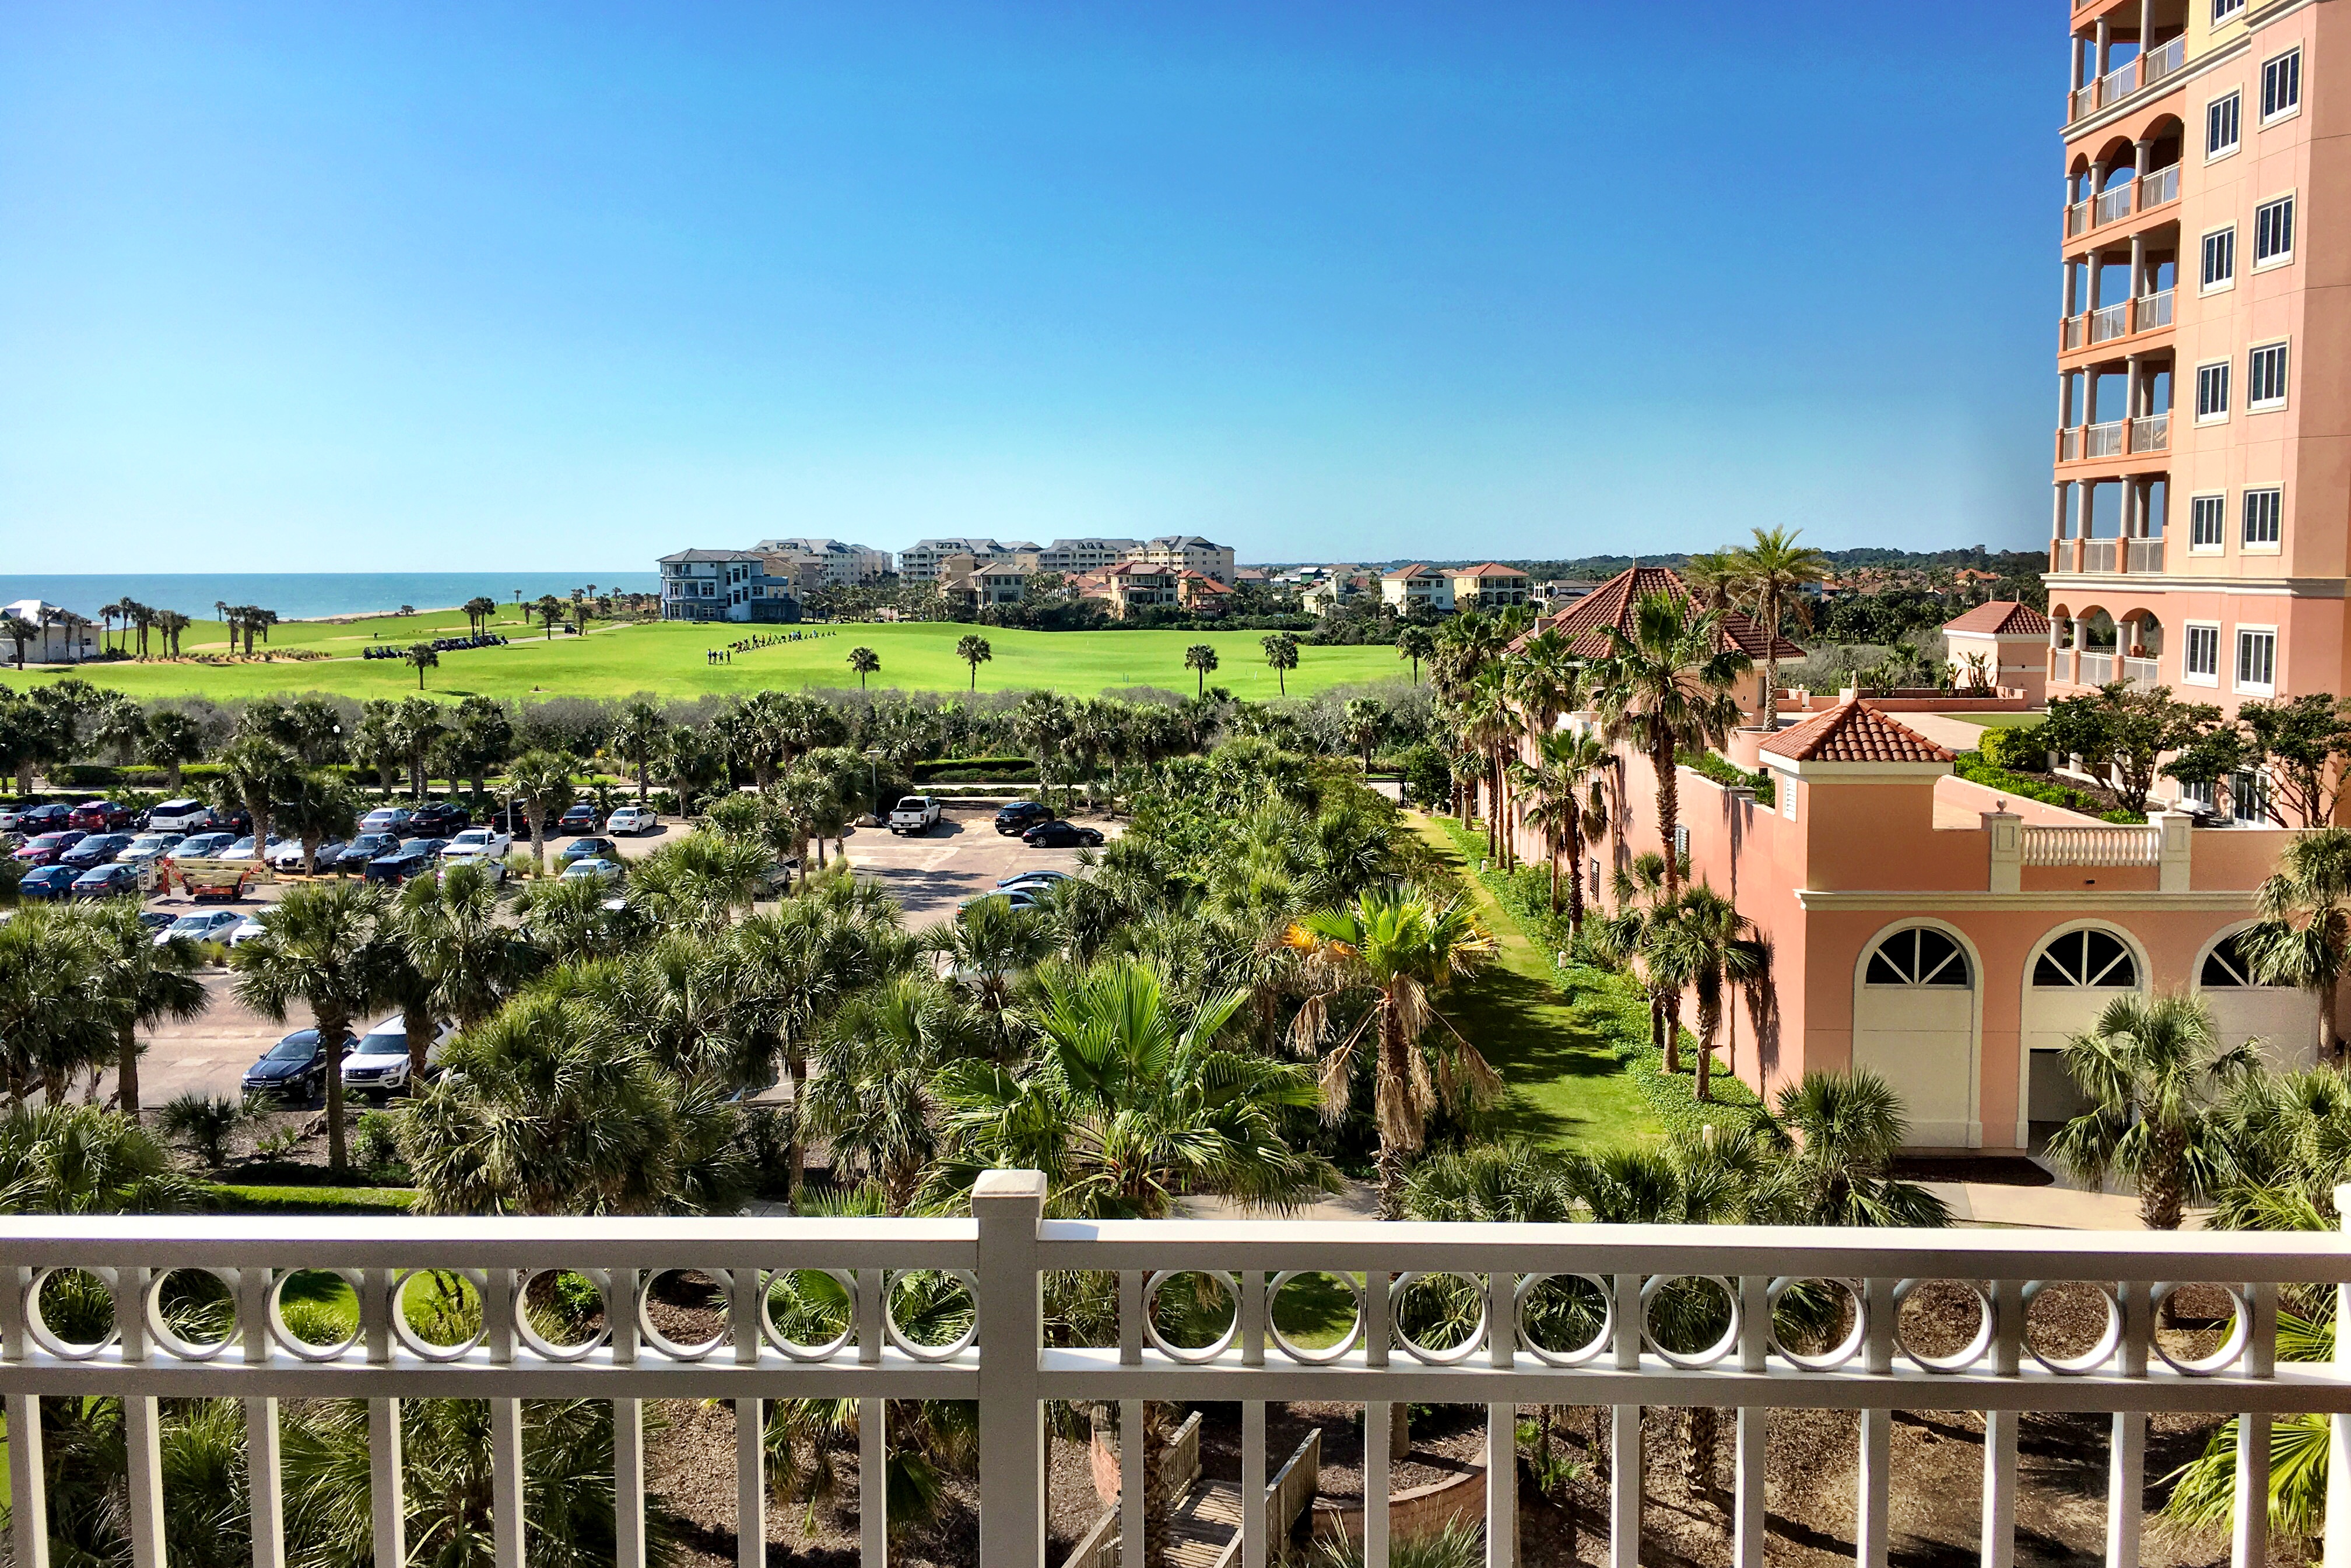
<point x="264" y="1457"/>
<point x="1872" y="1530"/>
<point x="28" y="1481"/>
<point x="2004" y="839"/>
<point x="501" y="1303"/>
<point x="2001" y="1429"/>
<point x="2338" y="1450"/>
<point x="2127" y="1456"/>
<point x="1625" y="1436"/>
<point x="745" y="1306"/>
<point x="387" y="1496"/>
<point x="143" y="1423"/>
<point x="1008" y="1204"/>
<point x="2249" y="1537"/>
<point x="628" y="1426"/>
<point x="1748" y="1519"/>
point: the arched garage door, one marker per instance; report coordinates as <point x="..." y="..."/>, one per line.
<point x="2072" y="979"/>
<point x="1914" y="1025"/>
<point x="2285" y="1018"/>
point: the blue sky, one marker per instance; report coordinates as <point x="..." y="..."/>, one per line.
<point x="304" y="287"/>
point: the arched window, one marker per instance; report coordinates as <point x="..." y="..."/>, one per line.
<point x="2087" y="957"/>
<point x="1919" y="956"/>
<point x="2226" y="967"/>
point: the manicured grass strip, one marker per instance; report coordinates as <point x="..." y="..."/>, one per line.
<point x="1566" y="1083"/>
<point x="238" y="1197"/>
<point x="669" y="659"/>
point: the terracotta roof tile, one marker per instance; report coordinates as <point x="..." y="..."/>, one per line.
<point x="2001" y="617"/>
<point x="1585" y="622"/>
<point x="1855" y="732"/>
<point x="1488" y="570"/>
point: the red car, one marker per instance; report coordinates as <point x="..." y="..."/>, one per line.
<point x="45" y="850"/>
<point x="101" y="816"/>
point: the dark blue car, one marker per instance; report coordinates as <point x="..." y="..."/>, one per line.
<point x="414" y="859"/>
<point x="48" y="882"/>
<point x="295" y="1069"/>
<point x="96" y="851"/>
<point x="110" y="881"/>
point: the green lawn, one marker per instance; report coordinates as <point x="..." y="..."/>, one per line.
<point x="668" y="658"/>
<point x="1565" y="1086"/>
<point x="1997" y="721"/>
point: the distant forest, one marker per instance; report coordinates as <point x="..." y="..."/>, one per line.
<point x="2006" y="562"/>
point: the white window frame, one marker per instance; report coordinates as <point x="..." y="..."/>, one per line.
<point x="2227" y="232"/>
<point x="2238" y="683"/>
<point x="2224" y="9"/>
<point x="2267" y="405"/>
<point x="2236" y="97"/>
<point x="2293" y="59"/>
<point x="2189" y="674"/>
<point x="2220" y="415"/>
<point x="2276" y="520"/>
<point x="2218" y="512"/>
<point x="2276" y="258"/>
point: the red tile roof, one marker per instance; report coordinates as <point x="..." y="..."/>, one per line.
<point x="2001" y="617"/>
<point x="1401" y="573"/>
<point x="1855" y="732"/>
<point x="1585" y="622"/>
<point x="1488" y="570"/>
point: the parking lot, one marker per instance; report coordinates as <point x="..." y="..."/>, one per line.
<point x="929" y="876"/>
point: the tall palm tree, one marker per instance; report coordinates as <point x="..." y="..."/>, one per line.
<point x="418" y="723"/>
<point x="425" y="657"/>
<point x="1664" y="688"/>
<point x="1727" y="952"/>
<point x="989" y="950"/>
<point x="376" y="741"/>
<point x="974" y="650"/>
<point x="255" y="774"/>
<point x="2303" y="936"/>
<point x="1281" y="655"/>
<point x="1568" y="805"/>
<point x="119" y="724"/>
<point x="469" y="961"/>
<point x="540" y="783"/>
<point x="865" y="661"/>
<point x="1765" y="574"/>
<point x="173" y="741"/>
<point x="1366" y="720"/>
<point x="320" y="948"/>
<point x="2152" y="1068"/>
<point x="137" y="985"/>
<point x="875" y="1094"/>
<point x="1490" y="727"/>
<point x="638" y="737"/>
<point x="1416" y="643"/>
<point x="1201" y="659"/>
<point x="318" y="806"/>
<point x="1831" y="1140"/>
<point x="1405" y="948"/>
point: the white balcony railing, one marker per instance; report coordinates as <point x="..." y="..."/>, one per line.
<point x="2113" y="204"/>
<point x="1563" y="1315"/>
<point x="2118" y="84"/>
<point x="2142" y="674"/>
<point x="2069" y="443"/>
<point x="2145" y="555"/>
<point x="2077" y="217"/>
<point x="2153" y="310"/>
<point x="2104" y="440"/>
<point x="2150" y="432"/>
<point x="2099" y="554"/>
<point x="2098" y="669"/>
<point x="2092" y="845"/>
<point x="2161" y="186"/>
<point x="2110" y="321"/>
<point x="2163" y="60"/>
<point x="2070" y="332"/>
<point x="2084" y="100"/>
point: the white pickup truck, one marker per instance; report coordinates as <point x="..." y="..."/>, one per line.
<point x="478" y="844"/>
<point x="915" y="814"/>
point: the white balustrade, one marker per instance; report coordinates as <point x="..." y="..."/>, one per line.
<point x="2098" y="669"/>
<point x="2084" y="100"/>
<point x="1526" y="1347"/>
<point x="2157" y="188"/>
<point x="2106" y="846"/>
<point x="2142" y="674"/>
<point x="2077" y="217"/>
<point x="2099" y="555"/>
<point x="2150" y="432"/>
<point x="2113" y="204"/>
<point x="2163" y="60"/>
<point x="2117" y="84"/>
<point x="2110" y="321"/>
<point x="2145" y="555"/>
<point x="2153" y="310"/>
<point x="2069" y="443"/>
<point x="2072" y="332"/>
<point x="2104" y="440"/>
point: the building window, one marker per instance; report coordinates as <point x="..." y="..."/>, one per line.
<point x="2226" y="967"/>
<point x="2257" y="661"/>
<point x="2273" y="232"/>
<point x="2281" y="85"/>
<point x="2249" y="798"/>
<point x="2211" y="392"/>
<point x="2221" y="124"/>
<point x="2205" y="515"/>
<point x="2263" y="509"/>
<point x="2265" y="378"/>
<point x="2198" y="791"/>
<point x="2221" y="257"/>
<point x="1919" y="956"/>
<point x="2199" y="661"/>
<point x="2224" y="9"/>
<point x="2086" y="958"/>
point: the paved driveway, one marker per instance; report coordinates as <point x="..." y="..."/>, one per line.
<point x="962" y="856"/>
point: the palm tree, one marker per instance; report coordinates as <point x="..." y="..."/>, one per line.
<point x="991" y="948"/>
<point x="874" y="1096"/>
<point x="320" y="948"/>
<point x="1665" y="689"/>
<point x="422" y="655"/>
<point x="2152" y="1068"/>
<point x="137" y="985"/>
<point x="448" y="930"/>
<point x="2303" y="936"/>
<point x="119" y="725"/>
<point x="77" y="1159"/>
<point x="418" y="723"/>
<point x="20" y="631"/>
<point x="173" y="741"/>
<point x="639" y="737"/>
<point x="689" y="762"/>
<point x="865" y="661"/>
<point x="974" y="650"/>
<point x="478" y="611"/>
<point x="255" y="774"/>
<point x="540" y="783"/>
<point x="1281" y="653"/>
<point x="172" y="624"/>
<point x="550" y="610"/>
<point x="1490" y="727"/>
<point x="377" y="740"/>
<point x="1568" y="805"/>
<point x="1765" y="574"/>
<point x="318" y="807"/>
<point x="1416" y="643"/>
<point x="1726" y="952"/>
<point x="1201" y="659"/>
<point x="1366" y="719"/>
<point x="1407" y="949"/>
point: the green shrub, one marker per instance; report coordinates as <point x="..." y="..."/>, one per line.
<point x="2015" y="748"/>
<point x="1970" y="765"/>
<point x="973" y="770"/>
<point x="1731" y="776"/>
<point x="84" y="776"/>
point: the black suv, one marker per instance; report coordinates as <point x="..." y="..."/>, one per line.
<point x="1020" y="816"/>
<point x="438" y="819"/>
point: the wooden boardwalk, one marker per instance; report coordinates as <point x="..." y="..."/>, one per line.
<point x="1206" y="1525"/>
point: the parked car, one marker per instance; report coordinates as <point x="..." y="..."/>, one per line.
<point x="96" y="851"/>
<point x="592" y="870"/>
<point x="386" y="819"/>
<point x="633" y="819"/>
<point x="45" y="882"/>
<point x="915" y="814"/>
<point x="181" y="816"/>
<point x="479" y="844"/>
<point x="287" y="856"/>
<point x="515" y="818"/>
<point x="48" y="848"/>
<point x="11" y="817"/>
<point x="242" y="849"/>
<point x="591" y="849"/>
<point x="578" y="817"/>
<point x="155" y="919"/>
<point x="34" y="820"/>
<point x="377" y="1063"/>
<point x="437" y="819"/>
<point x="206" y="925"/>
<point x="294" y="1069"/>
<point x="101" y="816"/>
<point x="246" y="931"/>
<point x="233" y="820"/>
<point x="1040" y="879"/>
<point x="413" y="858"/>
<point x="203" y="846"/>
<point x="1020" y="816"/>
<point x="360" y="850"/>
<point x="1018" y="898"/>
<point x="112" y="880"/>
<point x="1060" y="836"/>
<point x="149" y="846"/>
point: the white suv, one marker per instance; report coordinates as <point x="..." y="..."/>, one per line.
<point x="377" y="1063"/>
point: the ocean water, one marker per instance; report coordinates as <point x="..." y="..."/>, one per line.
<point x="307" y="596"/>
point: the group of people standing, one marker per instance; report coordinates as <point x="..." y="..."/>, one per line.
<point x="764" y="639"/>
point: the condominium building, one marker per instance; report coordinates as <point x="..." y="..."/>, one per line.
<point x="994" y="581"/>
<point x="843" y="565"/>
<point x="2200" y="532"/>
<point x="1417" y="587"/>
<point x="1489" y="587"/>
<point x="920" y="561"/>
<point x="1186" y="552"/>
<point x="727" y="585"/>
<point x="1071" y="557"/>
